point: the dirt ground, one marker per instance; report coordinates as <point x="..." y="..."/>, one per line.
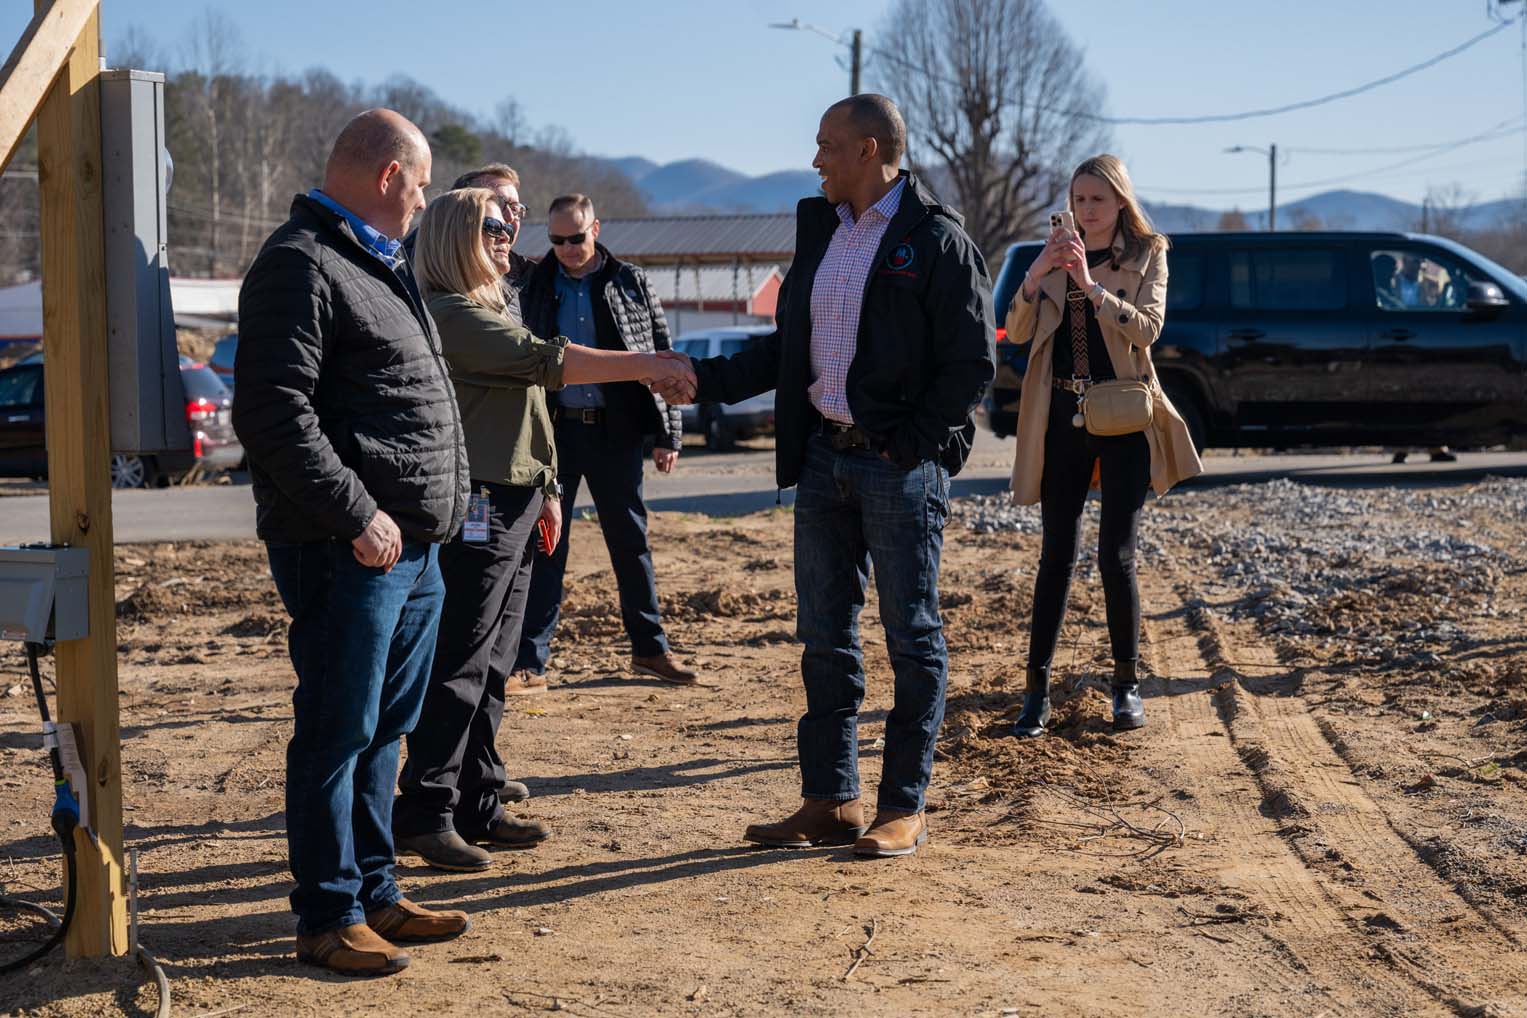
<point x="1312" y="823"/>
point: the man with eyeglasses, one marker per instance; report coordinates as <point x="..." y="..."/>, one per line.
<point x="504" y="181"/>
<point x="593" y="298"/>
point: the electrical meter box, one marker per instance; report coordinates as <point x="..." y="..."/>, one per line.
<point x="43" y="593"/>
<point x="148" y="403"/>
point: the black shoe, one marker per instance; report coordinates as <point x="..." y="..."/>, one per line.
<point x="444" y="851"/>
<point x="1036" y="705"/>
<point x="513" y="791"/>
<point x="1128" y="710"/>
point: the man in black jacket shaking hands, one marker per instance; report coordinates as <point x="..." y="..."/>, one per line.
<point x="882" y="351"/>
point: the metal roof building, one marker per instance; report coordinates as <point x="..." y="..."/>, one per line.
<point x="689" y="240"/>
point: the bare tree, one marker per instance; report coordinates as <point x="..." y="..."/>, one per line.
<point x="214" y="50"/>
<point x="1233" y="221"/>
<point x="1444" y="210"/>
<point x="991" y="90"/>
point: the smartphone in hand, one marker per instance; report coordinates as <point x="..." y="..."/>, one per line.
<point x="1063" y="220"/>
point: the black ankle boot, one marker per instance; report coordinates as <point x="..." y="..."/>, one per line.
<point x="1036" y="705"/>
<point x="1128" y="711"/>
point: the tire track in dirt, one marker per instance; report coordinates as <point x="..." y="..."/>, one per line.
<point x="1409" y="913"/>
<point x="1315" y="948"/>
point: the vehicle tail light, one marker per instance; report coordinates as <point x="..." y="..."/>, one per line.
<point x="196" y="450"/>
<point x="200" y="409"/>
<point x="1001" y="334"/>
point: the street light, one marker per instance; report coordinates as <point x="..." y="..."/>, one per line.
<point x="1271" y="153"/>
<point x="856" y="45"/>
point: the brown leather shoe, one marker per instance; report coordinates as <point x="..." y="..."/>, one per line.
<point x="524" y="684"/>
<point x="663" y="666"/>
<point x="405" y="921"/>
<point x="893" y="833"/>
<point x="817" y="822"/>
<point x="351" y="951"/>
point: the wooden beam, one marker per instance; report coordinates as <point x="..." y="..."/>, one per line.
<point x="34" y="63"/>
<point x="79" y="465"/>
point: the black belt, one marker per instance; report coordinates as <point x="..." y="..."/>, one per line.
<point x="843" y="436"/>
<point x="579" y="415"/>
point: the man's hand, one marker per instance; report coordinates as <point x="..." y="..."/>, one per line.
<point x="673" y="377"/>
<point x="551" y="512"/>
<point x="664" y="459"/>
<point x="380" y="545"/>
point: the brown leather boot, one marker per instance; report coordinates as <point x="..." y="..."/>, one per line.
<point x="893" y="833"/>
<point x="663" y="666"/>
<point x="817" y="822"/>
<point x="405" y="921"/>
<point x="351" y="951"/>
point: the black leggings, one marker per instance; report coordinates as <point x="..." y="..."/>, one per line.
<point x="1125" y="473"/>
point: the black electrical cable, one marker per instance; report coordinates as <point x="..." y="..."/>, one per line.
<point x="66" y="817"/>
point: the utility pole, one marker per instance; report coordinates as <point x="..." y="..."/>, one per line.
<point x="1272" y="179"/>
<point x="853" y="80"/>
<point x="1272" y="187"/>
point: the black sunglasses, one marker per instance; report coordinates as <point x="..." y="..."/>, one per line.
<point x="572" y="238"/>
<point x="495" y="227"/>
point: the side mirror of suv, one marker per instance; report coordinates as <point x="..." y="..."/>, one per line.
<point x="1485" y="296"/>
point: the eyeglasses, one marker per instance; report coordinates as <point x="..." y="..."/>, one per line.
<point x="495" y="227"/>
<point x="513" y="209"/>
<point x="571" y="238"/>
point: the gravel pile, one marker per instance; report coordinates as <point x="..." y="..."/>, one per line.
<point x="1378" y="575"/>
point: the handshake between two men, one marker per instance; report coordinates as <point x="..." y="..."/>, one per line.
<point x="675" y="378"/>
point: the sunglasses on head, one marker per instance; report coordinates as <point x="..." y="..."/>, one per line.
<point x="557" y="240"/>
<point x="495" y="227"/>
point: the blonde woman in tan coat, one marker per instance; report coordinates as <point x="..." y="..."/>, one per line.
<point x="1092" y="304"/>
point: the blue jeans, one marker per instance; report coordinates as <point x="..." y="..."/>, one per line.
<point x="854" y="509"/>
<point x="611" y="462"/>
<point x="361" y="642"/>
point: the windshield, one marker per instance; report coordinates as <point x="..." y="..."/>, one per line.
<point x="203" y="383"/>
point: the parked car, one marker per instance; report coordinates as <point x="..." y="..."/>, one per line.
<point x="1276" y="340"/>
<point x="221" y="360"/>
<point x="723" y="423"/>
<point x="208" y="410"/>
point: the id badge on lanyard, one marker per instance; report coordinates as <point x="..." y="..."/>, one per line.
<point x="475" y="530"/>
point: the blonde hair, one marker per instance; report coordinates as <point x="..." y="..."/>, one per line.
<point x="1139" y="235"/>
<point x="448" y="252"/>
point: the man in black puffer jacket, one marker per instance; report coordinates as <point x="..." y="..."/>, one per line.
<point x="581" y="291"/>
<point x="346" y="409"/>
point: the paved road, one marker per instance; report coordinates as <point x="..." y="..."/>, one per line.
<point x="740" y="482"/>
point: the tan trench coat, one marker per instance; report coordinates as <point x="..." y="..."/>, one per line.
<point x="1130" y="317"/>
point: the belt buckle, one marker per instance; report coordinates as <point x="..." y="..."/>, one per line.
<point x="590" y="415"/>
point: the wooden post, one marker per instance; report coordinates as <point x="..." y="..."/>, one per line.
<point x="79" y="465"/>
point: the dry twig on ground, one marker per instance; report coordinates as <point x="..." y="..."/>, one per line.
<point x="864" y="950"/>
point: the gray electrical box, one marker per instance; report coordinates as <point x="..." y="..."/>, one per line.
<point x="147" y="398"/>
<point x="43" y="594"/>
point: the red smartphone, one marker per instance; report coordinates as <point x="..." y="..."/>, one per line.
<point x="545" y="538"/>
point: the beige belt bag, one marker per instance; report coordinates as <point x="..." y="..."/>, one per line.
<point x="1120" y="407"/>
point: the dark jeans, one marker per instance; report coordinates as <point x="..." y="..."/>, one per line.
<point x="612" y="465"/>
<point x="854" y="509"/>
<point x="361" y="642"/>
<point x="1125" y="472"/>
<point x="453" y="771"/>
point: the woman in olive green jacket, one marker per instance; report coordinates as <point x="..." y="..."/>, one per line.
<point x="450" y="784"/>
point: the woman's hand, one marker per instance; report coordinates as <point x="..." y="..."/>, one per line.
<point x="1058" y="253"/>
<point x="1076" y="265"/>
<point x="671" y="376"/>
<point x="551" y="513"/>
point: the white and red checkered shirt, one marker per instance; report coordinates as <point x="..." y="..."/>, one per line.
<point x="837" y="296"/>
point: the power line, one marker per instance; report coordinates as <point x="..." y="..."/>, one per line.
<point x="1220" y="118"/>
<point x="1397" y="149"/>
<point x="1330" y="181"/>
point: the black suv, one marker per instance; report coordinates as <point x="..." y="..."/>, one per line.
<point x="1276" y="340"/>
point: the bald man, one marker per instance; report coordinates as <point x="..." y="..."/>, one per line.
<point x="346" y="409"/>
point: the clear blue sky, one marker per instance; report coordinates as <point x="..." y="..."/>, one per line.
<point x="673" y="79"/>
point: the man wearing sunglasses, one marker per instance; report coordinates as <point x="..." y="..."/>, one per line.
<point x="581" y="291"/>
<point x="504" y="181"/>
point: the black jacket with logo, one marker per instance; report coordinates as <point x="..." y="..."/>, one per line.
<point x="344" y="401"/>
<point x="627" y="316"/>
<point x="923" y="356"/>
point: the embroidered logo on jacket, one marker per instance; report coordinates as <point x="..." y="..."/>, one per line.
<point x="899" y="261"/>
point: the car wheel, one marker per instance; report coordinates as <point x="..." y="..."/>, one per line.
<point x="718" y="434"/>
<point x="129" y="471"/>
<point x="1192" y="413"/>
